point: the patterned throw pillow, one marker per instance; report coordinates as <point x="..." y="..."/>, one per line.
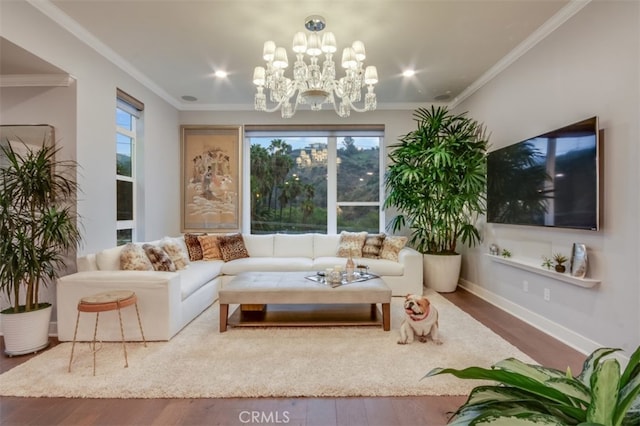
<point x="373" y="246"/>
<point x="158" y="258"/>
<point x="133" y="258"/>
<point x="210" y="248"/>
<point x="351" y="243"/>
<point x="175" y="252"/>
<point x="193" y="246"/>
<point x="391" y="247"/>
<point x="232" y="247"/>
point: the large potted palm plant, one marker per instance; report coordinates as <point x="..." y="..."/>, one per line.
<point x="436" y="181"/>
<point x="38" y="227"/>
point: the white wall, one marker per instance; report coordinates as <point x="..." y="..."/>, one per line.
<point x="94" y="136"/>
<point x="589" y="66"/>
<point x="84" y="119"/>
<point x="55" y="106"/>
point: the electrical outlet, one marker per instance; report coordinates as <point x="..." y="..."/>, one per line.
<point x="547" y="294"/>
<point x="525" y="286"/>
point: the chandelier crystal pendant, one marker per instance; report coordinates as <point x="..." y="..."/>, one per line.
<point x="313" y="83"/>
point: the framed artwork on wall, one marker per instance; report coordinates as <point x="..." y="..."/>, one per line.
<point x="211" y="178"/>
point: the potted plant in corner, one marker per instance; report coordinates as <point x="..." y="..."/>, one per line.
<point x="437" y="182"/>
<point x="38" y="227"/>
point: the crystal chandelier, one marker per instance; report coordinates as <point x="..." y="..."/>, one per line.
<point x="314" y="84"/>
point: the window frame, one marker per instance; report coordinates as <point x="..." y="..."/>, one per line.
<point x="129" y="105"/>
<point x="333" y="134"/>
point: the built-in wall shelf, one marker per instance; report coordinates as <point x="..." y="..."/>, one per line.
<point x="528" y="266"/>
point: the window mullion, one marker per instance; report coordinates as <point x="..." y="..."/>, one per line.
<point x="332" y="185"/>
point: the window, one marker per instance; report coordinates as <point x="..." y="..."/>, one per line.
<point x="315" y="180"/>
<point x="128" y="115"/>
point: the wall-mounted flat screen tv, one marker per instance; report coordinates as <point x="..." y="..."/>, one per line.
<point x="549" y="180"/>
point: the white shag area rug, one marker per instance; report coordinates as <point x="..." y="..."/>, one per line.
<point x="200" y="362"/>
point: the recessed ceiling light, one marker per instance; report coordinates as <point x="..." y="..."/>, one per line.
<point x="409" y="73"/>
<point x="189" y="98"/>
<point x="442" y="97"/>
<point x="220" y="74"/>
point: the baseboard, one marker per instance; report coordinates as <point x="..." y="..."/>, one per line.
<point x="578" y="342"/>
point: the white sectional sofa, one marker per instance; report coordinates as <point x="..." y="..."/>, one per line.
<point x="170" y="300"/>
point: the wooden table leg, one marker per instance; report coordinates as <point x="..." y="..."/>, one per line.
<point x="386" y="316"/>
<point x="224" y="313"/>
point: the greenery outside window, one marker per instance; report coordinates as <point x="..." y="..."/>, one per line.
<point x="323" y="180"/>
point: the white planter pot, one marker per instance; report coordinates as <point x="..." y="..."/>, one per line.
<point x="26" y="332"/>
<point x="441" y="272"/>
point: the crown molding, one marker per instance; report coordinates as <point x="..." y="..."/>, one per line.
<point x="62" y="19"/>
<point x="573" y="7"/>
<point x="35" y="80"/>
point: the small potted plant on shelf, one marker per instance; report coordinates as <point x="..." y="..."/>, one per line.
<point x="546" y="262"/>
<point x="506" y="253"/>
<point x="560" y="258"/>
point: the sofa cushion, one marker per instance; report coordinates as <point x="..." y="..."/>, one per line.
<point x="293" y="245"/>
<point x="351" y="243"/>
<point x="109" y="259"/>
<point x="267" y="264"/>
<point x="159" y="259"/>
<point x="134" y="258"/>
<point x="392" y="246"/>
<point x="89" y="263"/>
<point x="232" y="247"/>
<point x="259" y="245"/>
<point x="325" y="245"/>
<point x="210" y="247"/>
<point x="198" y="274"/>
<point x="176" y="251"/>
<point x="193" y="246"/>
<point x="373" y="246"/>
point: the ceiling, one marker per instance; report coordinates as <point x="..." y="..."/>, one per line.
<point x="175" y="46"/>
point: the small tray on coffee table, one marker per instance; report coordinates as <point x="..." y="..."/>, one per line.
<point x="357" y="277"/>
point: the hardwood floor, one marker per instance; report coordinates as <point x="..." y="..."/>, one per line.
<point x="430" y="411"/>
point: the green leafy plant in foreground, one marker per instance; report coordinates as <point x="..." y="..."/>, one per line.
<point x="528" y="394"/>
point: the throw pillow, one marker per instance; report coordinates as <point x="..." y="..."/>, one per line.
<point x="351" y="243"/>
<point x="232" y="247"/>
<point x="193" y="246"/>
<point x="373" y="246"/>
<point x="175" y="252"/>
<point x="391" y="247"/>
<point x="158" y="258"/>
<point x="133" y="258"/>
<point x="210" y="248"/>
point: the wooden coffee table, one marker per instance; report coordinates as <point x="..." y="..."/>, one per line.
<point x="316" y="303"/>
